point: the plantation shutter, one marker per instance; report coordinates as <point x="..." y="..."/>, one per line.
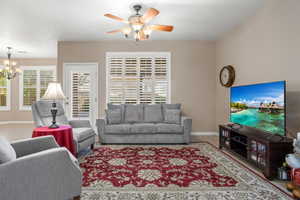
<point x="34" y="82"/>
<point x="81" y="98"/>
<point x="138" y="78"/>
<point x="46" y="77"/>
<point x="4" y="93"/>
<point x="161" y="82"/>
<point x="30" y="87"/>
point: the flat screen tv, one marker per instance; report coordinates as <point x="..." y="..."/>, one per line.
<point x="261" y="106"/>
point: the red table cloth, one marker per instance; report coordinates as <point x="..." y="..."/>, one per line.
<point x="63" y="136"/>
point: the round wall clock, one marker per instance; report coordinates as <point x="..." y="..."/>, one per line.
<point x="227" y="76"/>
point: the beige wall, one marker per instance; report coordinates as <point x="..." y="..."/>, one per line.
<point x="15" y="114"/>
<point x="192" y="72"/>
<point x="265" y="48"/>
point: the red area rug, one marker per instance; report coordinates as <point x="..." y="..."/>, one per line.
<point x="197" y="171"/>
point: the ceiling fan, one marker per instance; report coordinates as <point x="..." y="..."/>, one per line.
<point x="139" y="24"/>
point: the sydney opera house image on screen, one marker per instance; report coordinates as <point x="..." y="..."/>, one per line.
<point x="261" y="106"/>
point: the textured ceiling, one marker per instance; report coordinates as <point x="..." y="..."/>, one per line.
<point x="35" y="26"/>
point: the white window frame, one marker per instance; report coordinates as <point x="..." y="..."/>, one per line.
<point x="8" y="97"/>
<point x="21" y="86"/>
<point x="149" y="54"/>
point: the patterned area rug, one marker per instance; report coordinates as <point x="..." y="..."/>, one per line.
<point x="170" y="172"/>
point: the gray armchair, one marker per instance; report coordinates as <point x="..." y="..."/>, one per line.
<point x="83" y="134"/>
<point x="42" y="170"/>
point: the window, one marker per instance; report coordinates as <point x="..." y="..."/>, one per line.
<point x="34" y="81"/>
<point x="4" y="93"/>
<point x="138" y="77"/>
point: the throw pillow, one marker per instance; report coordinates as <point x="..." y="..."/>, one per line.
<point x="111" y="106"/>
<point x="7" y="152"/>
<point x="170" y="106"/>
<point x="113" y="116"/>
<point x="172" y="116"/>
<point x="133" y="113"/>
<point x="153" y="113"/>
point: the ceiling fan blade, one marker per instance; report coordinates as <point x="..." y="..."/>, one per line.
<point x="116" y="18"/>
<point x="161" y="28"/>
<point x="149" y="14"/>
<point x="115" y="31"/>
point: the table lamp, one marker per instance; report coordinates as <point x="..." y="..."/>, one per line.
<point x="54" y="93"/>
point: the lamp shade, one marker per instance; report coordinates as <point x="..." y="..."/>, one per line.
<point x="54" y="92"/>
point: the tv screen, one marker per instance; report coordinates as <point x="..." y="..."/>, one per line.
<point x="261" y="106"/>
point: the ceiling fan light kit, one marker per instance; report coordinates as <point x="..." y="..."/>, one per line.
<point x="138" y="25"/>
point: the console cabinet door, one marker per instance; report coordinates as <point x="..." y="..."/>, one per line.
<point x="257" y="153"/>
<point x="225" y="138"/>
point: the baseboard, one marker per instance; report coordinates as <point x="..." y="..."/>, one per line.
<point x="15" y="122"/>
<point x="204" y="133"/>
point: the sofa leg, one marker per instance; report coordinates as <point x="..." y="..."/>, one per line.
<point x="76" y="198"/>
<point x="92" y="146"/>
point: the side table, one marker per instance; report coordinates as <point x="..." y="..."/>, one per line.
<point x="63" y="136"/>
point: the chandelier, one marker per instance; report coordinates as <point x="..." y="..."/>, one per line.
<point x="10" y="70"/>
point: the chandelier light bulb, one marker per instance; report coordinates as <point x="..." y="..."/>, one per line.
<point x="147" y="32"/>
<point x="127" y="30"/>
<point x="137" y="36"/>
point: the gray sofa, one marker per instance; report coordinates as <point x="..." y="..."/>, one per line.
<point x="83" y="133"/>
<point x="40" y="170"/>
<point x="144" y="123"/>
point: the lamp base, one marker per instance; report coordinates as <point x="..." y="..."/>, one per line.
<point x="53" y="112"/>
<point x="53" y="126"/>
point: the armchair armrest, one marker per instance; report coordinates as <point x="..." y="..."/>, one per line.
<point x="33" y="145"/>
<point x="100" y="123"/>
<point x="80" y="123"/>
<point x="186" y="122"/>
<point x="47" y="175"/>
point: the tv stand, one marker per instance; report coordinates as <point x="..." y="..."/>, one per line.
<point x="261" y="149"/>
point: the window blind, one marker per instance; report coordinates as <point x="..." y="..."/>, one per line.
<point x="4" y="93"/>
<point x="34" y="82"/>
<point x="80" y="94"/>
<point x="138" y="78"/>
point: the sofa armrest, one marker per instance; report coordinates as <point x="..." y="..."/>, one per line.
<point x="80" y="123"/>
<point x="186" y="122"/>
<point x="34" y="145"/>
<point x="47" y="175"/>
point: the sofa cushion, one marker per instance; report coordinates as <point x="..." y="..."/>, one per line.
<point x="117" y="129"/>
<point x="170" y="106"/>
<point x="143" y="128"/>
<point x="7" y="152"/>
<point x="172" y="116"/>
<point x="169" y="128"/>
<point x="81" y="134"/>
<point x="133" y="113"/>
<point x="111" y="106"/>
<point x="153" y="113"/>
<point x="114" y="116"/>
